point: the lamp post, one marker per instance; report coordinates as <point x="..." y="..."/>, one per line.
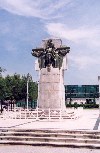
<point x="38" y="95"/>
<point x="28" y="78"/>
<point x="99" y="94"/>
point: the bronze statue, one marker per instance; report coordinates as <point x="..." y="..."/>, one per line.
<point x="50" y="55"/>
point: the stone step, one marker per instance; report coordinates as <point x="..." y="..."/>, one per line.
<point x="50" y="139"/>
<point x="76" y="145"/>
<point x="57" y="131"/>
<point x="52" y="131"/>
<point x="60" y="135"/>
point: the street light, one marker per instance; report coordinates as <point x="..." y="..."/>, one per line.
<point x="38" y="95"/>
<point x="99" y="94"/>
<point x="28" y="78"/>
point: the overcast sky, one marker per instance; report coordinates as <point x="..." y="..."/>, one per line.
<point x="24" y="23"/>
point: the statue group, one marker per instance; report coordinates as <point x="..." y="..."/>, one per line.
<point x="50" y="55"/>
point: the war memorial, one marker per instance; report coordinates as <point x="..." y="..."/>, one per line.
<point x="51" y="123"/>
<point x="51" y="64"/>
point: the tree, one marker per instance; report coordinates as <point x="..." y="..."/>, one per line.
<point x="33" y="91"/>
<point x="2" y="70"/>
<point x="2" y="88"/>
<point x="8" y="82"/>
<point x="15" y="87"/>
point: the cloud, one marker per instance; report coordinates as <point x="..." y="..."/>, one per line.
<point x="83" y="62"/>
<point x="85" y="38"/>
<point x="44" y="9"/>
<point x="77" y="35"/>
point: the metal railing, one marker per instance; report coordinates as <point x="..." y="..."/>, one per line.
<point x="42" y="114"/>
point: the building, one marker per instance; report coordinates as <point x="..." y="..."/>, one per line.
<point x="82" y="94"/>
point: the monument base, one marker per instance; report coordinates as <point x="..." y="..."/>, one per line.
<point x="51" y="88"/>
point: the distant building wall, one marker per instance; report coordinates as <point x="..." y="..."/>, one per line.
<point x="82" y="93"/>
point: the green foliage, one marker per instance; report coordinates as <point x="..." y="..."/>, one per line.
<point x="15" y="87"/>
<point x="2" y="88"/>
<point x="2" y="70"/>
<point x="33" y="91"/>
<point x="91" y="106"/>
<point x="85" y="106"/>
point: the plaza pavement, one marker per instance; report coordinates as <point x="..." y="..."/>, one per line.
<point x="44" y="149"/>
<point x="88" y="120"/>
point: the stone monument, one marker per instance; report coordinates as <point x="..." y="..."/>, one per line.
<point x="51" y="63"/>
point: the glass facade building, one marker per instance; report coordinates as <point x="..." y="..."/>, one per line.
<point x="81" y="91"/>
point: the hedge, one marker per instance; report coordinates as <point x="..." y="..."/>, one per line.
<point x="75" y="105"/>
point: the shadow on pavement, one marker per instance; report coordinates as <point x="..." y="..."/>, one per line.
<point x="97" y="124"/>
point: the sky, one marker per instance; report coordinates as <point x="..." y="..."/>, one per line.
<point x="25" y="23"/>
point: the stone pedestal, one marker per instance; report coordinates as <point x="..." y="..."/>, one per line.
<point x="51" y="90"/>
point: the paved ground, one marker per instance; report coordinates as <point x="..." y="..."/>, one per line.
<point x="36" y="149"/>
<point x="89" y="120"/>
